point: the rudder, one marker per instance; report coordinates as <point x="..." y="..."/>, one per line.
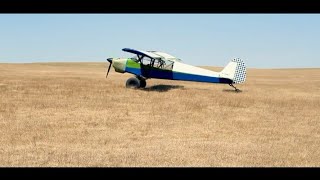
<point x="241" y="71"/>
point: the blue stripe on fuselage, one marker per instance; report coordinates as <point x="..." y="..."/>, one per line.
<point x="136" y="71"/>
<point x="193" y="77"/>
<point x="151" y="73"/>
<point x="165" y="74"/>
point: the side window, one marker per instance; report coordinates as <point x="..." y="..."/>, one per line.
<point x="146" y="61"/>
<point x="163" y="64"/>
<point x="168" y="65"/>
<point x="157" y="63"/>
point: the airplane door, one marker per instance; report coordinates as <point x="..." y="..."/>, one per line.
<point x="161" y="69"/>
<point x="146" y="66"/>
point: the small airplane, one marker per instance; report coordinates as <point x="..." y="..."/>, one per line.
<point x="159" y="65"/>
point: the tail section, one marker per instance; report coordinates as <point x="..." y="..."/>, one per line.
<point x="235" y="70"/>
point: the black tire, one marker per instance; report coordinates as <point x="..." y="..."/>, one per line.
<point x="143" y="83"/>
<point x="133" y="83"/>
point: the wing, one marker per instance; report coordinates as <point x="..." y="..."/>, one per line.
<point x="165" y="56"/>
<point x="142" y="53"/>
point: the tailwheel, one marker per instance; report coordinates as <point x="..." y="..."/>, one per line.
<point x="236" y="89"/>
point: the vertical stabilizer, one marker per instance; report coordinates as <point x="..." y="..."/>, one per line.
<point x="235" y="70"/>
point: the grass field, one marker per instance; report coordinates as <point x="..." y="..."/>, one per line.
<point x="69" y="114"/>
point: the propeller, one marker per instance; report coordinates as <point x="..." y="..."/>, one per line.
<point x="110" y="61"/>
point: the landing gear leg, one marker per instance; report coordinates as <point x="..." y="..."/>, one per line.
<point x="143" y="82"/>
<point x="236" y="89"/>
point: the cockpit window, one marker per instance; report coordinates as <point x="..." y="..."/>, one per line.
<point x="146" y="60"/>
<point x="159" y="63"/>
<point x="135" y="58"/>
<point x="168" y="65"/>
<point x="163" y="64"/>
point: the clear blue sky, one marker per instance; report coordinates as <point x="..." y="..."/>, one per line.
<point x="261" y="40"/>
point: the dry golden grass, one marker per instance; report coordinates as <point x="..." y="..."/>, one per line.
<point x="68" y="114"/>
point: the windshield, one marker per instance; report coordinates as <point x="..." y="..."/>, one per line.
<point x="135" y="58"/>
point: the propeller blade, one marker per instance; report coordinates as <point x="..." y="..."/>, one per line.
<point x="110" y="61"/>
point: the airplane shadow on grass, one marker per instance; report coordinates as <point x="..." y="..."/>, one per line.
<point x="232" y="91"/>
<point x="165" y="88"/>
<point x="162" y="87"/>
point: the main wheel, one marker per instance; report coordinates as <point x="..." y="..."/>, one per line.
<point x="143" y="83"/>
<point x="133" y="83"/>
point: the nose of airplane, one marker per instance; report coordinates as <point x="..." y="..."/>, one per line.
<point x="119" y="65"/>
